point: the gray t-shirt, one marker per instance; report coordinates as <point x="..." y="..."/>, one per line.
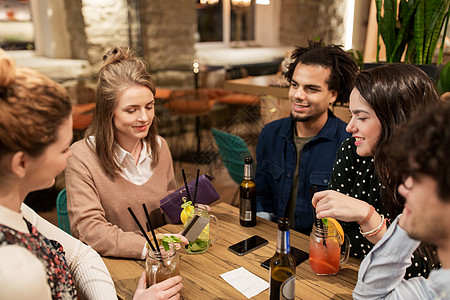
<point x="299" y="143"/>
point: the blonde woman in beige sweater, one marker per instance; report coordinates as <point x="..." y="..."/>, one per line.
<point x="121" y="163"/>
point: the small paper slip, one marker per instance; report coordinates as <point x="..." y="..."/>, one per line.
<point x="245" y="282"/>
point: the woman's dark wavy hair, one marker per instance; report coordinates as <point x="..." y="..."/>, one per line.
<point x="421" y="146"/>
<point x="343" y="68"/>
<point x="395" y="92"/>
<point x="120" y="71"/>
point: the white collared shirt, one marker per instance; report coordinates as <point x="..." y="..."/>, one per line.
<point x="138" y="173"/>
<point x="135" y="173"/>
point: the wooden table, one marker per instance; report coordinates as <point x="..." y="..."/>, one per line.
<point x="201" y="272"/>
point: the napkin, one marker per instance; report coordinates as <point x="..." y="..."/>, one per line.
<point x="245" y="282"/>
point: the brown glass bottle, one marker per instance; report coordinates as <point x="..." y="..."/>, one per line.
<point x="247" y="196"/>
<point x="282" y="265"/>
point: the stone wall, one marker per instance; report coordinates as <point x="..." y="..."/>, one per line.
<point x="106" y="25"/>
<point x="168" y="35"/>
<point x="301" y="20"/>
<point x="168" y="29"/>
<point x="75" y="28"/>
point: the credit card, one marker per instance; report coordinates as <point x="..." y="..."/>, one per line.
<point x="194" y="227"/>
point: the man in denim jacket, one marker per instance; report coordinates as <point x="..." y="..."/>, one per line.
<point x="295" y="155"/>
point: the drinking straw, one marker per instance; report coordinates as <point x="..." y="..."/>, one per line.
<point x="317" y="222"/>
<point x="196" y="187"/>
<point x="186" y="185"/>
<point x="151" y="227"/>
<point x="141" y="229"/>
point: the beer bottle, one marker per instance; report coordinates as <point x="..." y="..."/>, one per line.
<point x="282" y="265"/>
<point x="247" y="196"/>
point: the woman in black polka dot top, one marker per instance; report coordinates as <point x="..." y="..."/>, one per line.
<point x="362" y="196"/>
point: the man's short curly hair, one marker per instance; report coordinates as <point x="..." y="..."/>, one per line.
<point x="421" y="147"/>
<point x="343" y="68"/>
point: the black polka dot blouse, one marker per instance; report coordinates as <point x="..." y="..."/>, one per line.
<point x="355" y="176"/>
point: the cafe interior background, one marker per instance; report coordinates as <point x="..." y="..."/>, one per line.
<point x="193" y="48"/>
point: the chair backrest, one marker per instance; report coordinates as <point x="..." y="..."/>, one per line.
<point x="233" y="150"/>
<point x="61" y="209"/>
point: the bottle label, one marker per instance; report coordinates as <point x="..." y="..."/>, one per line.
<point x="287" y="289"/>
<point x="246" y="209"/>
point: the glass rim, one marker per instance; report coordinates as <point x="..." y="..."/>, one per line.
<point x="163" y="254"/>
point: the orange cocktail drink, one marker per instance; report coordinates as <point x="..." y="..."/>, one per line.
<point x="325" y="243"/>
<point x="324" y="259"/>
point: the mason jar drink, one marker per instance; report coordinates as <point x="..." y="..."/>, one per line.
<point x="325" y="250"/>
<point x="163" y="265"/>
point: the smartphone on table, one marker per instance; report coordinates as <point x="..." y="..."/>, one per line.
<point x="248" y="245"/>
<point x="299" y="257"/>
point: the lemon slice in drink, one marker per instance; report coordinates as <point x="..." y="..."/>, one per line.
<point x="338" y="227"/>
<point x="186" y="212"/>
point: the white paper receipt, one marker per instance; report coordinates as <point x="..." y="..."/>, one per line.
<point x="245" y="282"/>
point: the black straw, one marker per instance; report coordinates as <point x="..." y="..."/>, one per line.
<point x="141" y="229"/>
<point x="317" y="222"/>
<point x="186" y="185"/>
<point x="151" y="227"/>
<point x="196" y="187"/>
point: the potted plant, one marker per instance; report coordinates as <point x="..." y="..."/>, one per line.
<point x="412" y="31"/>
<point x="443" y="84"/>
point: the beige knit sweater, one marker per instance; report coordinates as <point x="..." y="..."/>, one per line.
<point x="97" y="204"/>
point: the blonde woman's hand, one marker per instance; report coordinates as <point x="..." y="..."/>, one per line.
<point x="336" y="205"/>
<point x="183" y="240"/>
<point x="165" y="290"/>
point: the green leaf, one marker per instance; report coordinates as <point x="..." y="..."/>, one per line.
<point x="389" y="27"/>
<point x="416" y="28"/>
<point x="167" y="240"/>
<point x="201" y="243"/>
<point x="405" y="19"/>
<point x="444" y="35"/>
<point x="443" y="83"/>
<point x="434" y="30"/>
<point x="419" y="32"/>
<point x="379" y="22"/>
<point x="358" y="57"/>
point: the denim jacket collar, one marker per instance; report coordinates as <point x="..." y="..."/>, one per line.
<point x="327" y="132"/>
